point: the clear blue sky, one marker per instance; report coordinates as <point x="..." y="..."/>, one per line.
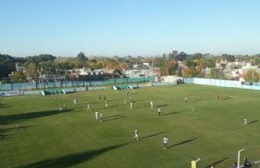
<point x="129" y="27"/>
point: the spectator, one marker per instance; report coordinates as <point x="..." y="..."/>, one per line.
<point x="247" y="164"/>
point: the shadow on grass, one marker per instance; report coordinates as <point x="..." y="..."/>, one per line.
<point x="217" y="162"/>
<point x="226" y="98"/>
<point x="2" y="136"/>
<point x="5" y="136"/>
<point x="193" y="101"/>
<point x="31" y="115"/>
<point x="6" y="131"/>
<point x="153" y="135"/>
<point x="143" y="107"/>
<point x="24" y="127"/>
<point x="162" y="105"/>
<point x="3" y="121"/>
<point x="117" y="105"/>
<point x="139" y="100"/>
<point x="183" y="142"/>
<point x="72" y="159"/>
<point x="115" y="117"/>
<point x="252" y="122"/>
<point x="165" y="114"/>
<point x="110" y="106"/>
<point x="90" y="103"/>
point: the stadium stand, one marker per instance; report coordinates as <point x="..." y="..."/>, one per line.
<point x="51" y="92"/>
<point x="122" y="87"/>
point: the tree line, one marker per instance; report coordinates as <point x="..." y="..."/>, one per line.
<point x="168" y="64"/>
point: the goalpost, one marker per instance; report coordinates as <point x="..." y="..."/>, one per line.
<point x="238" y="157"/>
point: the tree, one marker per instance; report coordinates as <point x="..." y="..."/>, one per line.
<point x="191" y="63"/>
<point x="181" y="56"/>
<point x="7" y="65"/>
<point x="81" y="57"/>
<point x="215" y="73"/>
<point x="81" y="60"/>
<point x="172" y="55"/>
<point x="48" y="68"/>
<point x="229" y="58"/>
<point x="169" y="68"/>
<point x="159" y="61"/>
<point x="41" y="58"/>
<point x="192" y="72"/>
<point x="251" y="76"/>
<point x="32" y="71"/>
<point x="211" y="62"/>
<point x="196" y="56"/>
<point x="97" y="65"/>
<point x="18" y="77"/>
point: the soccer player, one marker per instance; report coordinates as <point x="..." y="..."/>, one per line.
<point x="131" y="105"/>
<point x="194" y="163"/>
<point x="234" y="165"/>
<point x="159" y="111"/>
<point x="125" y="101"/>
<point x="100" y="98"/>
<point x="165" y="142"/>
<point x="96" y="114"/>
<point x="101" y="117"/>
<point x="136" y="134"/>
<point x="75" y="102"/>
<point x="106" y="104"/>
<point x="186" y="99"/>
<point x="247" y="164"/>
<point x="88" y="108"/>
<point x="151" y="104"/>
<point x="245" y="121"/>
<point x="64" y="105"/>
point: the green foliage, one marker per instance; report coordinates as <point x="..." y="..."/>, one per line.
<point x="211" y="62"/>
<point x="41" y="58"/>
<point x="169" y="68"/>
<point x="196" y="56"/>
<point x="159" y="61"/>
<point x="81" y="57"/>
<point x="215" y="73"/>
<point x="192" y="72"/>
<point x="32" y="71"/>
<point x="7" y="65"/>
<point x="50" y="65"/>
<point x="228" y="57"/>
<point x="256" y="60"/>
<point x="18" y="77"/>
<point x="181" y="56"/>
<point x="191" y="63"/>
<point x="252" y="76"/>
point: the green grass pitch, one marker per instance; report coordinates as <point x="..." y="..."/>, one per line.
<point x="34" y="134"/>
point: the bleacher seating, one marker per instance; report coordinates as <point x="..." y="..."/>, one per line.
<point x="51" y="92"/>
<point x="122" y="87"/>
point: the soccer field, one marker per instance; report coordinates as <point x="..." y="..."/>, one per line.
<point x="35" y="134"/>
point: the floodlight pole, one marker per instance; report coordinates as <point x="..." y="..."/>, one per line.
<point x="238" y="157"/>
